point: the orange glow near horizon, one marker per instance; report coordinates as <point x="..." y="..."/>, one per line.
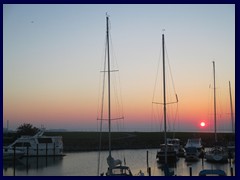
<point x="56" y="78"/>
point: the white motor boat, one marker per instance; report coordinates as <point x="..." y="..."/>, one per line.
<point x="194" y="149"/>
<point x="192" y="154"/>
<point x="37" y="145"/>
<point x="194" y="142"/>
<point x="171" y="154"/>
<point x="180" y="151"/>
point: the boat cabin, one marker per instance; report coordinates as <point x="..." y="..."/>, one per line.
<point x="119" y="171"/>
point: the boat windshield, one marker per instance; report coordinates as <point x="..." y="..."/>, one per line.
<point x="22" y="144"/>
<point x="191" y="150"/>
<point x="195" y="141"/>
<point x="169" y="147"/>
<point x="173" y="141"/>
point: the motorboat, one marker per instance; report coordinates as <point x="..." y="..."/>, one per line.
<point x="197" y="143"/>
<point x="171" y="154"/>
<point x="192" y="154"/>
<point x="194" y="142"/>
<point x="177" y="147"/>
<point x="194" y="149"/>
<point x="37" y="145"/>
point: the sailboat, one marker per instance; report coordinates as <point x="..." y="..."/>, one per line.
<point x="115" y="167"/>
<point x="218" y="153"/>
<point x="167" y="153"/>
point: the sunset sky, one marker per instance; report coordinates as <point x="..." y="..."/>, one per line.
<point x="53" y="55"/>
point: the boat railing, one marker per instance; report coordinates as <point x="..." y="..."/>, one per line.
<point x="40" y="132"/>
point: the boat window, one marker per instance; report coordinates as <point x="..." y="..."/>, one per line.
<point x="18" y="144"/>
<point x="26" y="144"/>
<point x="44" y="140"/>
<point x="22" y="144"/>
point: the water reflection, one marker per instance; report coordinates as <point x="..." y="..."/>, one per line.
<point x="85" y="164"/>
<point x="30" y="163"/>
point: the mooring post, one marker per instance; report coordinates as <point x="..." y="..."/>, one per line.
<point x="46" y="153"/>
<point x="27" y="158"/>
<point x="27" y="150"/>
<point x="231" y="171"/>
<point x="190" y="171"/>
<point x="147" y="159"/>
<point x="54" y="149"/>
<point x="149" y="171"/>
<point x="148" y="168"/>
<point x="14" y="156"/>
<point x="46" y="149"/>
<point x="37" y="150"/>
<point x="37" y="156"/>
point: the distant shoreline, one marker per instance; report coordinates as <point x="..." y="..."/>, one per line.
<point x="89" y="141"/>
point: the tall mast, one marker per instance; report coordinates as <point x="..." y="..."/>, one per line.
<point x="164" y="101"/>
<point x="231" y="107"/>
<point x="214" y="88"/>
<point x="109" y="91"/>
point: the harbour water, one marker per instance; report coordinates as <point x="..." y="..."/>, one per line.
<point x="86" y="164"/>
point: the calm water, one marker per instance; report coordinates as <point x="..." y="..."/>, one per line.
<point x="85" y="164"/>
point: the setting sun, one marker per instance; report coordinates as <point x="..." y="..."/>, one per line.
<point x="202" y="124"/>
